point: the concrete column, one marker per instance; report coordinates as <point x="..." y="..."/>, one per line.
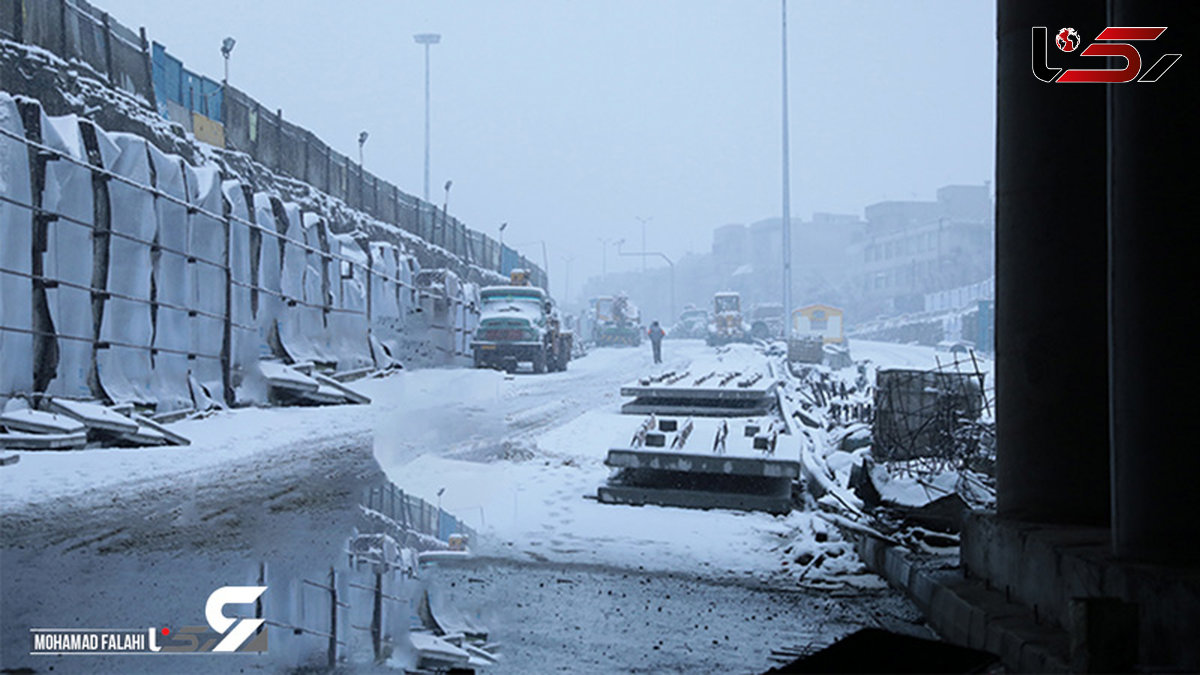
<point x="1154" y="249"/>
<point x="1051" y="250"/>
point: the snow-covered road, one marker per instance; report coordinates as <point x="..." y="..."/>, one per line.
<point x="517" y="455"/>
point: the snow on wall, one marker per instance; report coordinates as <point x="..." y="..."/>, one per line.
<point x="16" y="230"/>
<point x="348" y="329"/>
<point x="206" y="243"/>
<point x="68" y="257"/>
<point x="172" y="286"/>
<point x="267" y="308"/>
<point x="124" y="367"/>
<point x="172" y="283"/>
<point x="297" y="321"/>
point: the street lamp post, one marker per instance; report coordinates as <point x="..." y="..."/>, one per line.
<point x="787" y="197"/>
<point x="500" y="263"/>
<point x="439" y="516"/>
<point x="427" y="39"/>
<point x="643" y="254"/>
<point x="362" y="140"/>
<point x="445" y="210"/>
<point x="227" y="49"/>
<point x="643" y="221"/>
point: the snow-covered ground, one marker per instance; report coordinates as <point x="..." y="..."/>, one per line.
<point x="518" y="457"/>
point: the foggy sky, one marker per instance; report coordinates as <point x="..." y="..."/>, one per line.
<point x="570" y="119"/>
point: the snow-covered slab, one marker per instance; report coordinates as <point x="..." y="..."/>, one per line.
<point x="434" y="648"/>
<point x="694" y="499"/>
<point x="7" y="458"/>
<point x="25" y="441"/>
<point x="730" y="382"/>
<point x="285" y="377"/>
<point x="168" y="435"/>
<point x="94" y="415"/>
<point x="325" y="394"/>
<point x="39" y="422"/>
<point x="740" y="436"/>
<point x="669" y="460"/>
<point x="349" y="393"/>
<point x="145" y="435"/>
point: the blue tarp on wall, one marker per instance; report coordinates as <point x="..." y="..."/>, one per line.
<point x="173" y="82"/>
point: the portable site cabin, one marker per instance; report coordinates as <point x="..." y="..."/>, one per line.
<point x="820" y="320"/>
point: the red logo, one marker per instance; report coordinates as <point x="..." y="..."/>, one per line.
<point x="1112" y="41"/>
<point x="1067" y="39"/>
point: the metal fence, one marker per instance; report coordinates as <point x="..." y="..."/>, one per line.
<point x="228" y="118"/>
<point x="130" y="275"/>
<point x="78" y="31"/>
<point x="413" y="514"/>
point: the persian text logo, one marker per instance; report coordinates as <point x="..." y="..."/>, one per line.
<point x="223" y="633"/>
<point x="1112" y="41"/>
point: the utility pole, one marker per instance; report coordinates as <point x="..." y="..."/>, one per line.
<point x="787" y="201"/>
<point x="427" y="39"/>
<point x="643" y="221"/>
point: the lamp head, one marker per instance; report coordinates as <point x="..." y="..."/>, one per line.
<point x="227" y="46"/>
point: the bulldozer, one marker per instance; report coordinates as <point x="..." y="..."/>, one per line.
<point x="727" y="324"/>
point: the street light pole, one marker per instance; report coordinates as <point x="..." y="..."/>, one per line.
<point x="787" y="203"/>
<point x="227" y="49"/>
<point x="439" y="513"/>
<point x="643" y="221"/>
<point x="427" y="39"/>
<point x="670" y="263"/>
<point x="362" y="140"/>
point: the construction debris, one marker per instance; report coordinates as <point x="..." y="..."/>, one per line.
<point x="300" y="384"/>
<point x="64" y="424"/>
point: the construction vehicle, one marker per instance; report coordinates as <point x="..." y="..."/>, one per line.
<point x="693" y="323"/>
<point x="617" y="322"/>
<point x="519" y="323"/>
<point x="727" y="324"/>
<point x="766" y="321"/>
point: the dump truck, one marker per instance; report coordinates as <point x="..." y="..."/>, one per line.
<point x="727" y="324"/>
<point x="519" y="323"/>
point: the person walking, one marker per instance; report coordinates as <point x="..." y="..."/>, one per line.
<point x="656" y="334"/>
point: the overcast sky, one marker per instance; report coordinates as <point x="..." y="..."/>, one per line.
<point x="571" y="119"/>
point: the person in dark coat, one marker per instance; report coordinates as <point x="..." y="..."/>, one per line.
<point x="656" y="334"/>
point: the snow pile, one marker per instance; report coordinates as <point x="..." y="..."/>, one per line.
<point x="815" y="554"/>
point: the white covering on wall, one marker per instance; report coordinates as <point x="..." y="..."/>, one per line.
<point x="68" y="256"/>
<point x="16" y="250"/>
<point x="172" y="286"/>
<point x="206" y="240"/>
<point x="124" y="366"/>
